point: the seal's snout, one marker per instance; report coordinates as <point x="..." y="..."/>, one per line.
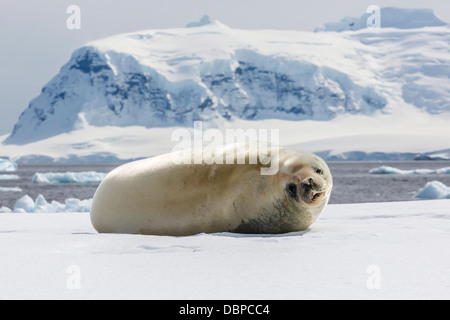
<point x="306" y="184"/>
<point x="313" y="190"/>
<point x="310" y="184"/>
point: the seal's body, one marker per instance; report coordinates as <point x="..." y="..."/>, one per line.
<point x="158" y="197"/>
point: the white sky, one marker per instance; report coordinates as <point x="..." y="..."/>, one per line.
<point x="35" y="41"/>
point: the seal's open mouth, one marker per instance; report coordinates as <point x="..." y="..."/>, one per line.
<point x="316" y="196"/>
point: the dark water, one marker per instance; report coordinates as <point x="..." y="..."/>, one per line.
<point x="352" y="182"/>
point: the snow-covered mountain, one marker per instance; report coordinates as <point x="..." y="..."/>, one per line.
<point x="251" y="78"/>
<point x="205" y="72"/>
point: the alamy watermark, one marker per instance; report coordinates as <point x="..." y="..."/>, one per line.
<point x="73" y="281"/>
<point x="73" y="22"/>
<point x="374" y="280"/>
<point x="374" y="20"/>
<point x="209" y="147"/>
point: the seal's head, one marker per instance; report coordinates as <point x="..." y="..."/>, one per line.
<point x="307" y="185"/>
<point x="298" y="193"/>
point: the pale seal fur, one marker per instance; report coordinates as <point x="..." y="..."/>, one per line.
<point x="155" y="196"/>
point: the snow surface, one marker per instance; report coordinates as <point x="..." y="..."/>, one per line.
<point x="68" y="177"/>
<point x="60" y="256"/>
<point x="391" y="170"/>
<point x="40" y="205"/>
<point x="7" y="165"/>
<point x="434" y="190"/>
<point x="399" y="136"/>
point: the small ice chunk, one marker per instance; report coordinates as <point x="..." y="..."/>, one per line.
<point x="386" y="170"/>
<point x="24" y="204"/>
<point x="77" y="205"/>
<point x="7" y="166"/>
<point x="434" y="190"/>
<point x="391" y="170"/>
<point x="9" y="177"/>
<point x="40" y="205"/>
<point x="3" y="189"/>
<point x="69" y="178"/>
<point x="5" y="210"/>
<point x="443" y="170"/>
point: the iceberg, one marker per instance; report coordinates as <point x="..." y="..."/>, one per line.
<point x="69" y="178"/>
<point x="434" y="190"/>
<point x="391" y="170"/>
<point x="40" y="205"/>
<point x="7" y="166"/>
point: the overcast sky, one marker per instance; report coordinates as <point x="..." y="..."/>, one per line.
<point x="35" y="41"/>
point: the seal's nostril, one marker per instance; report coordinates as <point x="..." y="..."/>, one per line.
<point x="306" y="186"/>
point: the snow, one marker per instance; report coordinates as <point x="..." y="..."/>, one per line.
<point x="434" y="190"/>
<point x="9" y="177"/>
<point x="7" y="166"/>
<point x="3" y="189"/>
<point x="381" y="137"/>
<point x="403" y="247"/>
<point x="68" y="177"/>
<point x="40" y="205"/>
<point x="391" y="170"/>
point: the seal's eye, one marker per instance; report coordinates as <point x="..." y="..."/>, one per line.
<point x="319" y="171"/>
<point x="292" y="190"/>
